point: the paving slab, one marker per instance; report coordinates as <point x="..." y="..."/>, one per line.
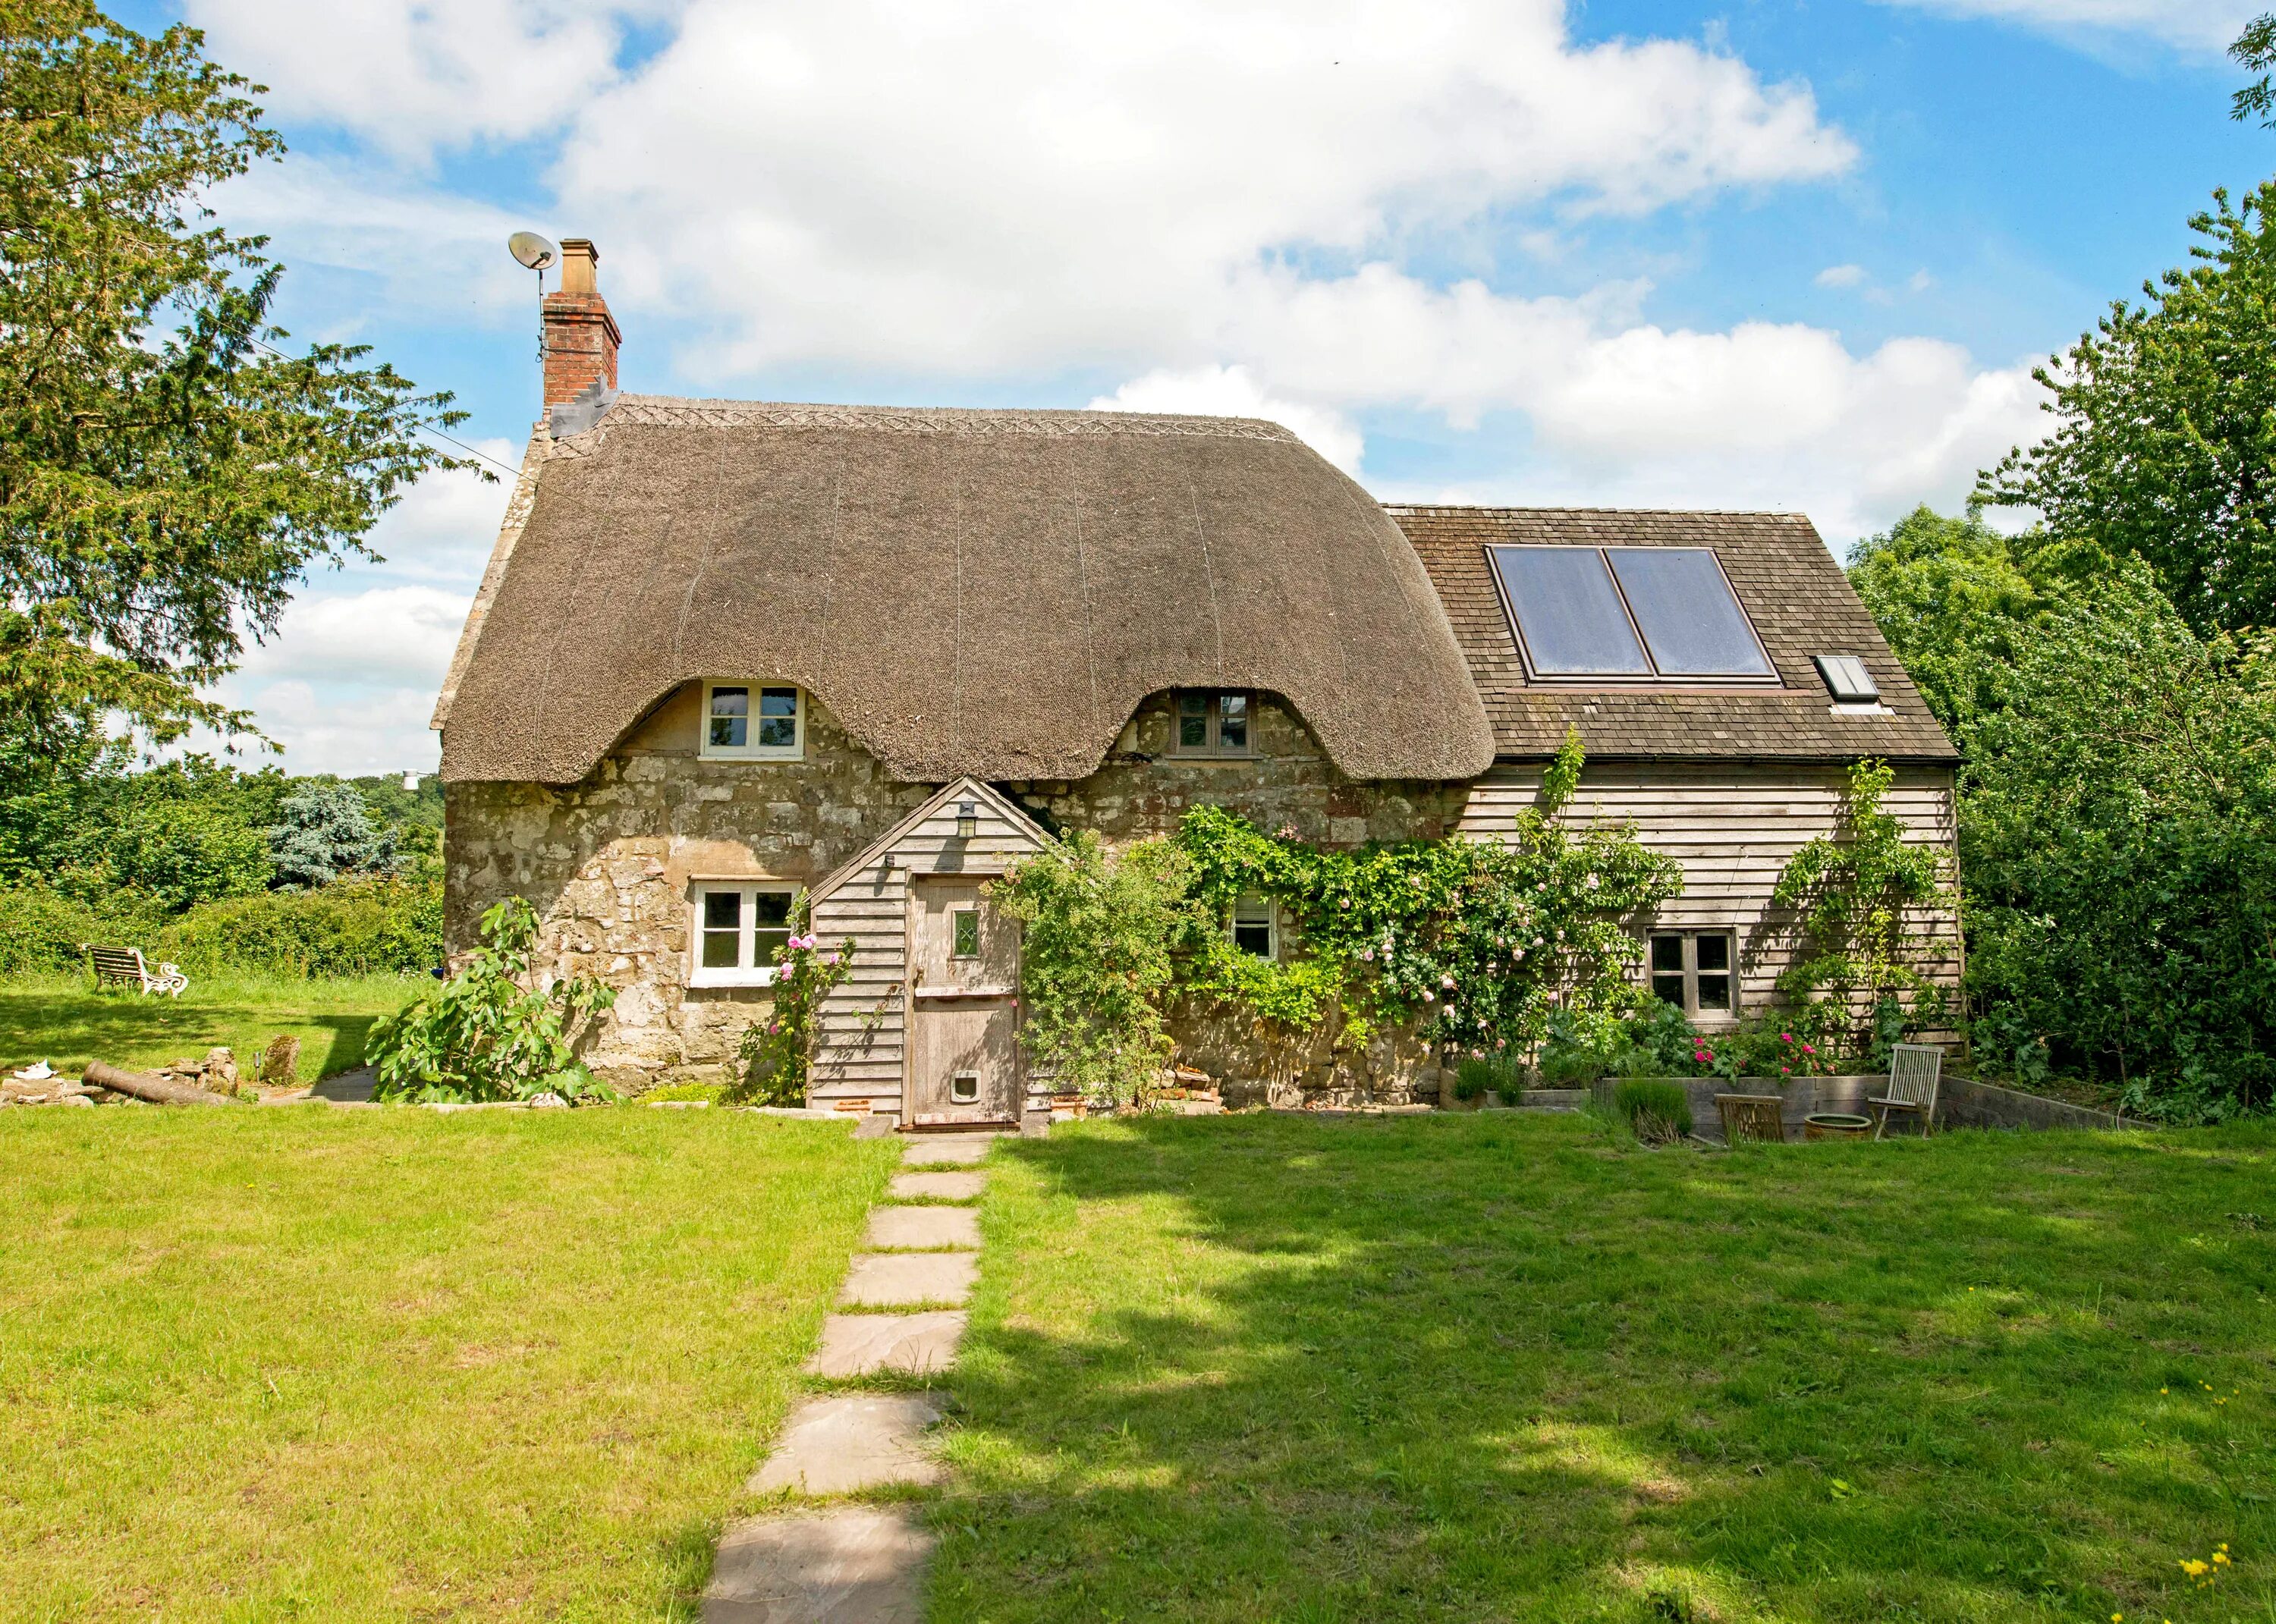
<point x="859" y="1565"/>
<point x="863" y="1344"/>
<point x="964" y="1150"/>
<point x="907" y="1279"/>
<point x="922" y="1229"/>
<point x="837" y="1445"/>
<point x="937" y="1186"/>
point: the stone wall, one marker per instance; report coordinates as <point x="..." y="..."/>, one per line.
<point x="609" y="862"/>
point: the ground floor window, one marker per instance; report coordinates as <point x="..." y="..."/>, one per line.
<point x="1694" y="970"/>
<point x="1256" y="926"/>
<point x="736" y="929"/>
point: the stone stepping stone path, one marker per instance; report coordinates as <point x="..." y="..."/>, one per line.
<point x="855" y="1564"/>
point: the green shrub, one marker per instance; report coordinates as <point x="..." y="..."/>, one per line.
<point x="1475" y="1076"/>
<point x="1658" y="1109"/>
<point x="40" y="931"/>
<point x="487" y="1034"/>
<point x="349" y="928"/>
<point x="1638" y="1062"/>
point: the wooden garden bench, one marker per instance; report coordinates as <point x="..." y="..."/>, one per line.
<point x="1752" y="1116"/>
<point x="124" y="967"/>
<point x="1914" y="1072"/>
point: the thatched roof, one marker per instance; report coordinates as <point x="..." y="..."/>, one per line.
<point x="1800" y="601"/>
<point x="982" y="592"/>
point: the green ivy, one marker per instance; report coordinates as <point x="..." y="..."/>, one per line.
<point x="1853" y="982"/>
<point x="1478" y="941"/>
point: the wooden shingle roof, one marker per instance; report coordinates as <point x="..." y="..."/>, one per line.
<point x="1788" y="582"/>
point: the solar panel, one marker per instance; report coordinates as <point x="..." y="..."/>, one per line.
<point x="1569" y="612"/>
<point x="1683" y="605"/>
<point x="1847" y="679"/>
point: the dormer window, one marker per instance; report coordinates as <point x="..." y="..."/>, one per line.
<point x="745" y="721"/>
<point x="1213" y="722"/>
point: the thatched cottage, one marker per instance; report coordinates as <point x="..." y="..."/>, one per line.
<point x="730" y="654"/>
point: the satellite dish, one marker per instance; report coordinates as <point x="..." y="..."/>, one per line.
<point x="534" y="252"/>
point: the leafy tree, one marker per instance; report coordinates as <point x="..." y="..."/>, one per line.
<point x="2255" y="51"/>
<point x="2118" y="836"/>
<point x="488" y="1033"/>
<point x="2166" y="425"/>
<point x="1955" y="603"/>
<point x="165" y="477"/>
<point x="324" y="831"/>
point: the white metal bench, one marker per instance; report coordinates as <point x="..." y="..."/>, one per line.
<point x="1914" y="1072"/>
<point x="124" y="967"/>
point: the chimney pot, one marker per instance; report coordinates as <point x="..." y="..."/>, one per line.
<point x="580" y="261"/>
<point x="580" y="335"/>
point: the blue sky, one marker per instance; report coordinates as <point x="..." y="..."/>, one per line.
<point x="1776" y="255"/>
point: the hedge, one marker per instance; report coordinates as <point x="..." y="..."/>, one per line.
<point x="352" y="928"/>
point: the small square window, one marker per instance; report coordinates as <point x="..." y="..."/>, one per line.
<point x="743" y="722"/>
<point x="739" y="929"/>
<point x="1256" y="927"/>
<point x="1213" y="722"/>
<point x="1694" y="971"/>
<point x="964" y="933"/>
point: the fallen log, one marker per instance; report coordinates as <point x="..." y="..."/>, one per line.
<point x="142" y="1085"/>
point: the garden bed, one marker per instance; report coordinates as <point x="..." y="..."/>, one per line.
<point x="1962" y="1102"/>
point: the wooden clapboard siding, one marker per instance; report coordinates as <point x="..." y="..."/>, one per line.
<point x="861" y="1030"/>
<point x="1732" y="827"/>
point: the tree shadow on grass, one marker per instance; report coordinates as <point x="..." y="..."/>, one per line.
<point x="70" y="1028"/>
<point x="1267" y="1368"/>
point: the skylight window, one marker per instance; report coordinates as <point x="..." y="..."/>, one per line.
<point x="1631" y="614"/>
<point x="1847" y="679"/>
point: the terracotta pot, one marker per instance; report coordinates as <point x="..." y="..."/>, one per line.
<point x="1836" y="1125"/>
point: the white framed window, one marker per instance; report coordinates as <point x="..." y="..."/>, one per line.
<point x="1696" y="971"/>
<point x="734" y="931"/>
<point x="1254" y="926"/>
<point x="1213" y="722"/>
<point x="751" y="721"/>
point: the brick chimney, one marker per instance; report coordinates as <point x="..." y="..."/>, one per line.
<point x="581" y="335"/>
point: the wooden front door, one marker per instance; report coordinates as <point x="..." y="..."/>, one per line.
<point x="964" y="1015"/>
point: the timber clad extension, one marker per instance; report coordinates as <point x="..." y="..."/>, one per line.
<point x="730" y="656"/>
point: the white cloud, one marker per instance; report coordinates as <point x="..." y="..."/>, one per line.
<point x="409" y="75"/>
<point x="2198" y="25"/>
<point x="416" y="251"/>
<point x="443" y="530"/>
<point x="1231" y="392"/>
<point x="1841" y="275"/>
<point x="1011" y="187"/>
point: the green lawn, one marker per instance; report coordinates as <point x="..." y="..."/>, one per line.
<point x="63" y="1020"/>
<point x="303" y="1363"/>
<point x="1496" y="1368"/>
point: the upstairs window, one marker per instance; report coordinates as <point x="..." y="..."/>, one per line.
<point x="737" y="929"/>
<point x="1213" y="722"/>
<point x="746" y="722"/>
<point x="1628" y="614"/>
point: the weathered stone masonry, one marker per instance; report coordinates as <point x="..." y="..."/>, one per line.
<point x="608" y="862"/>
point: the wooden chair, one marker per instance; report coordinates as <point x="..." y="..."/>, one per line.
<point x="1914" y="1072"/>
<point x="124" y="967"/>
<point x="1752" y="1116"/>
